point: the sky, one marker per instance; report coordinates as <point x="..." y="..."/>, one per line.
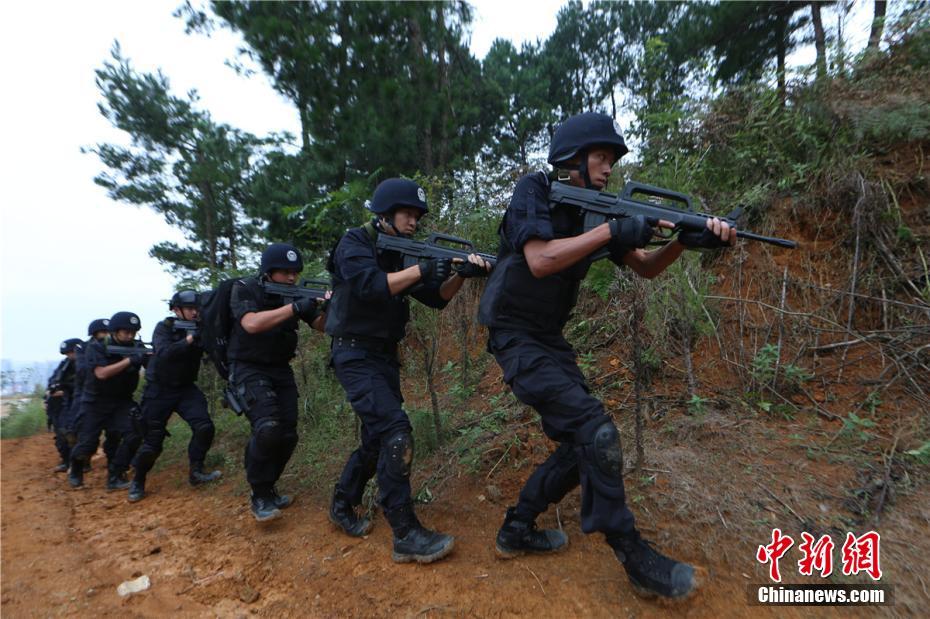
<point x="69" y="254"/>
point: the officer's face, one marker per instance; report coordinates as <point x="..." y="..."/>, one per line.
<point x="405" y="220"/>
<point x="187" y="313"/>
<point x="71" y="355"/>
<point x="99" y="335"/>
<point x="600" y="162"/>
<point x="124" y="336"/>
<point x="284" y="276"/>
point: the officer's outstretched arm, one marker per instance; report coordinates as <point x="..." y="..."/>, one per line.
<point x="401" y="280"/>
<point x="649" y="264"/>
<point x="259" y="322"/>
<point x="547" y="257"/>
<point x="106" y="372"/>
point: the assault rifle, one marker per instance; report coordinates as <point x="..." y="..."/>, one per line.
<point x="312" y="288"/>
<point x="128" y="351"/>
<point x="413" y="251"/>
<point x="192" y="327"/>
<point x="600" y="206"/>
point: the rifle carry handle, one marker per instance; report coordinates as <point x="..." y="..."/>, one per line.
<point x="439" y="236"/>
<point x="632" y="188"/>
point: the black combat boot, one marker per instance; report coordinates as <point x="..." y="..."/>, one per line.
<point x="343" y="515"/>
<point x="61" y="467"/>
<point x="264" y="509"/>
<point x="413" y="541"/>
<point x="517" y="537"/>
<point x="76" y="473"/>
<point x="117" y="480"/>
<point x="137" y="488"/>
<point x="197" y="476"/>
<point x="650" y="572"/>
<point x="281" y="501"/>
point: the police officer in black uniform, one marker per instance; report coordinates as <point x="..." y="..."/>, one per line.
<point x="170" y="378"/>
<point x="71" y="419"/>
<point x="110" y="382"/>
<point x="367" y="316"/>
<point x="59" y="398"/>
<point x="543" y="257"/>
<point x="262" y="343"/>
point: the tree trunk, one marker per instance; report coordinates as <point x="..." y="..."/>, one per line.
<point x="639" y="380"/>
<point x="840" y="52"/>
<point x="878" y="26"/>
<point x="819" y="41"/>
<point x="209" y="210"/>
<point x="780" y="50"/>
<point x="446" y="95"/>
<point x="304" y="116"/>
<point x="429" y="363"/>
<point x="419" y="68"/>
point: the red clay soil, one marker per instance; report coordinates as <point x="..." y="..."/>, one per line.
<point x="64" y="552"/>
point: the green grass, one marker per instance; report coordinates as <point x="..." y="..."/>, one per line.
<point x="26" y="419"/>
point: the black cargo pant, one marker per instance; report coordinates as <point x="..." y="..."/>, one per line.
<point x="112" y="415"/>
<point x="270" y="396"/>
<point x="159" y="402"/>
<point x="543" y="373"/>
<point x="57" y="412"/>
<point x="372" y="384"/>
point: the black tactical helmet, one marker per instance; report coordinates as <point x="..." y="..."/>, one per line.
<point x="184" y="298"/>
<point x="396" y="192"/>
<point x="281" y="256"/>
<point x="124" y="320"/>
<point x="101" y="324"/>
<point x="581" y="132"/>
<point x="70" y="345"/>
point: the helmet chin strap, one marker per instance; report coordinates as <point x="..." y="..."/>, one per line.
<point x="390" y="221"/>
<point x="581" y="168"/>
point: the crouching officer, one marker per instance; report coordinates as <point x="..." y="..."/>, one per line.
<point x="60" y="397"/>
<point x="543" y="257"/>
<point x="170" y="386"/>
<point x="262" y="343"/>
<point x="367" y="317"/>
<point x="109" y="385"/>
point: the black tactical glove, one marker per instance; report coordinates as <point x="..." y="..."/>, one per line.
<point x="435" y="271"/>
<point x="469" y="269"/>
<point x="628" y="233"/>
<point x="705" y="239"/>
<point x="136" y="361"/>
<point x="305" y="308"/>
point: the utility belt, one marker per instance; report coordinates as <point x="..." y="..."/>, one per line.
<point x="370" y="344"/>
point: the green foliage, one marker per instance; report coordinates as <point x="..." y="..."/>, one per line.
<point x="183" y="165"/>
<point x="697" y="405"/>
<point x="921" y="454"/>
<point x="24" y="419"/>
<point x="765" y="365"/>
<point x="857" y="427"/>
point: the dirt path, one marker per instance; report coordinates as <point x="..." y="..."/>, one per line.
<point x="64" y="552"/>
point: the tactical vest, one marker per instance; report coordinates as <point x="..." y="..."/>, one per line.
<point x="349" y="315"/>
<point x="121" y="386"/>
<point x="179" y="370"/>
<point x="274" y="347"/>
<point x="516" y="299"/>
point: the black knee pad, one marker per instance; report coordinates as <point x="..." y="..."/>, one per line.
<point x="145" y="458"/>
<point x="607" y="453"/>
<point x="399" y="454"/>
<point x="204" y="433"/>
<point x="268" y="434"/>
